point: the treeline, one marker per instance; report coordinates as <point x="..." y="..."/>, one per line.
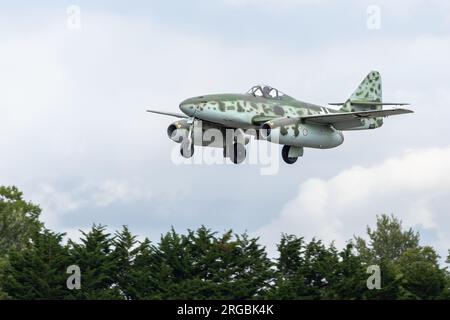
<point x="202" y="264"/>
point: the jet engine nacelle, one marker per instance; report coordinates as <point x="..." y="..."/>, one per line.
<point x="204" y="134"/>
<point x="178" y="130"/>
<point x="302" y="135"/>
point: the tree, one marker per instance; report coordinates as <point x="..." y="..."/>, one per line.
<point x="391" y="281"/>
<point x="97" y="264"/>
<point x="290" y="282"/>
<point x="202" y="265"/>
<point x="124" y="255"/>
<point x="145" y="278"/>
<point x="307" y="270"/>
<point x="408" y="271"/>
<point x="350" y="276"/>
<point x="422" y="276"/>
<point x="38" y="272"/>
<point x="19" y="220"/>
<point x="4" y="266"/>
<point x="251" y="274"/>
<point x="388" y="241"/>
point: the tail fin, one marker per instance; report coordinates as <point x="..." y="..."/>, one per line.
<point x="368" y="96"/>
<point x="368" y="91"/>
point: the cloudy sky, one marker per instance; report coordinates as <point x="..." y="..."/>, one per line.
<point x="76" y="139"/>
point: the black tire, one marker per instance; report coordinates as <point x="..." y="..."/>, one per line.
<point x="225" y="151"/>
<point x="237" y="153"/>
<point x="187" y="149"/>
<point x="285" y="155"/>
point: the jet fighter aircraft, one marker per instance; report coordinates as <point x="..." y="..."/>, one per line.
<point x="268" y="114"/>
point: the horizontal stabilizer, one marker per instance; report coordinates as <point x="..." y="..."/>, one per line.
<point x="368" y="103"/>
<point x="348" y="116"/>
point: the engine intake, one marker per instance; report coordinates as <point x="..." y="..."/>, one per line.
<point x="177" y="131"/>
<point x="265" y="130"/>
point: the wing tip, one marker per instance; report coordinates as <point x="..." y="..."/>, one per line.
<point x="407" y="110"/>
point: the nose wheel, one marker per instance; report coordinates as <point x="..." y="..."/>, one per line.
<point x="187" y="148"/>
<point x="237" y="153"/>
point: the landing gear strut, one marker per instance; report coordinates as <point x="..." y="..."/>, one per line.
<point x="187" y="146"/>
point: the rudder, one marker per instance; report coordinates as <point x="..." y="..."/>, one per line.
<point x="368" y="96"/>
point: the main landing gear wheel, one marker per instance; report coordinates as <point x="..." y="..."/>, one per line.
<point x="285" y="155"/>
<point x="187" y="149"/>
<point x="237" y="153"/>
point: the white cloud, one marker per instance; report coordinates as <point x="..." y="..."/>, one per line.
<point x="398" y="7"/>
<point x="76" y="134"/>
<point x="414" y="187"/>
<point x="110" y="192"/>
<point x="53" y="200"/>
<point x="278" y="4"/>
<point x="58" y="202"/>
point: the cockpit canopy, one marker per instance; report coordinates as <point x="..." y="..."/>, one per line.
<point x="266" y="92"/>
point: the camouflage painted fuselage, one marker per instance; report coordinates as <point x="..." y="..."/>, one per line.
<point x="246" y="111"/>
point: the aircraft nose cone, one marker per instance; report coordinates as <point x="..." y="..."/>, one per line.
<point x="188" y="107"/>
<point x="184" y="108"/>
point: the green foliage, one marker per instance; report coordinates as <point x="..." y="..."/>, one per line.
<point x="97" y="261"/>
<point x="313" y="271"/>
<point x="391" y="281"/>
<point x="4" y="267"/>
<point x="422" y="276"/>
<point x="124" y="256"/>
<point x="19" y="220"/>
<point x="38" y="272"/>
<point x="408" y="271"/>
<point x="387" y="242"/>
<point x="202" y="264"/>
<point x="350" y="276"/>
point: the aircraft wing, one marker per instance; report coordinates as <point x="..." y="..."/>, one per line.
<point x="172" y="114"/>
<point x="333" y="118"/>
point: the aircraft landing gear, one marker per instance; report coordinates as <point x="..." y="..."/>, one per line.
<point x="234" y="146"/>
<point x="285" y="155"/>
<point x="187" y="148"/>
<point x="237" y="152"/>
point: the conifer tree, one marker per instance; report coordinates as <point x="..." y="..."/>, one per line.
<point x="124" y="255"/>
<point x="38" y="272"/>
<point x="97" y="265"/>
